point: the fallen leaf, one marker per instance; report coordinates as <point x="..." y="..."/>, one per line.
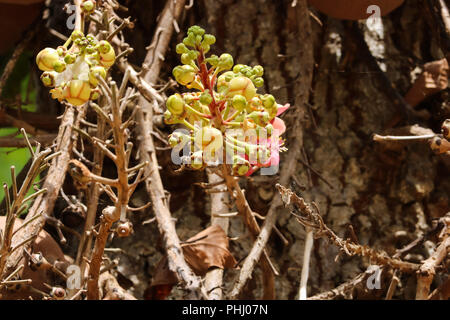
<point x="207" y="249"/>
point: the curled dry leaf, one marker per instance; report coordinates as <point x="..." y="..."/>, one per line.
<point x="207" y="249"/>
<point x="52" y="255"/>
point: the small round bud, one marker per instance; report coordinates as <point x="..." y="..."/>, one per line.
<point x="243" y="86"/>
<point x="48" y="78"/>
<point x="205" y="47"/>
<point x="46" y="59"/>
<point x="259" y="82"/>
<point x="93" y="72"/>
<point x="196" y="30"/>
<point x="76" y="34"/>
<point x="240" y="166"/>
<point x="259" y="117"/>
<point x="175" y="104"/>
<point x="185" y="59"/>
<point x="59" y="66"/>
<point x="213" y="60"/>
<point x="95" y="94"/>
<point x="124" y="229"/>
<point x="189" y="41"/>
<point x="88" y="6"/>
<point x="225" y="61"/>
<point x="445" y="128"/>
<point x="70" y="58"/>
<point x="184" y="74"/>
<point x="239" y="102"/>
<point x="268" y="101"/>
<point x="258" y="71"/>
<point x="237" y="68"/>
<point x="209" y="39"/>
<point x="181" y="48"/>
<point x="206" y="98"/>
<point x="61" y="51"/>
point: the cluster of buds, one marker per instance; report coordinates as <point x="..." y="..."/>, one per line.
<point x="72" y="71"/>
<point x="226" y="116"/>
<point x="441" y="144"/>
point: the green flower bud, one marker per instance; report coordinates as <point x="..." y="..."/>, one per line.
<point x="239" y="102"/>
<point x="181" y="48"/>
<point x="213" y="60"/>
<point x="259" y="117"/>
<point x="259" y="82"/>
<point x="269" y="129"/>
<point x="222" y="81"/>
<point x="88" y="6"/>
<point x="225" y="61"/>
<point x="237" y="68"/>
<point x="59" y="66"/>
<point x="193" y="54"/>
<point x="196" y="30"/>
<point x="76" y="34"/>
<point x="205" y="47"/>
<point x="185" y="59"/>
<point x="61" y="51"/>
<point x="48" y="78"/>
<point x="268" y="101"/>
<point x="90" y="49"/>
<point x="95" y="94"/>
<point x="206" y="98"/>
<point x="70" y="58"/>
<point x="93" y="72"/>
<point x="104" y="46"/>
<point x="184" y="74"/>
<point x="175" y="104"/>
<point x="169" y="118"/>
<point x="258" y="71"/>
<point x="240" y="166"/>
<point x="209" y="39"/>
<point x="189" y="41"/>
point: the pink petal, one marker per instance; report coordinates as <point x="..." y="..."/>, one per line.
<point x="282" y="109"/>
<point x="279" y="125"/>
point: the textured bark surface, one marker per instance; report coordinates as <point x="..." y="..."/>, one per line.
<point x="389" y="194"/>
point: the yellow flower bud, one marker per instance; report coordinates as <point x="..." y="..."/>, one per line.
<point x="107" y="54"/>
<point x="243" y="86"/>
<point x="46" y="59"/>
<point x="77" y="92"/>
<point x="48" y="78"/>
<point x="175" y="104"/>
<point x="93" y="72"/>
<point x="184" y="74"/>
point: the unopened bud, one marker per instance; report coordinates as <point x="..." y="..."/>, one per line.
<point x="175" y="104"/>
<point x="46" y="59"/>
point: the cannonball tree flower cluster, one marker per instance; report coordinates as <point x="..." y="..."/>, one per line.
<point x="71" y="70"/>
<point x="227" y="118"/>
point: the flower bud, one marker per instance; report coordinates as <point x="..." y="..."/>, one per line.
<point x="184" y="74"/>
<point x="196" y="30"/>
<point x="185" y="59"/>
<point x="107" y="54"/>
<point x="48" y="78"/>
<point x="88" y="6"/>
<point x="243" y="86"/>
<point x="76" y="34"/>
<point x="175" y="104"/>
<point x="58" y="293"/>
<point x="240" y="165"/>
<point x="239" y="102"/>
<point x="70" y="58"/>
<point x="189" y="41"/>
<point x="181" y="48"/>
<point x="268" y="101"/>
<point x="213" y="60"/>
<point x="259" y="82"/>
<point x="59" y="66"/>
<point x="93" y="72"/>
<point x="209" y="39"/>
<point x="46" y="59"/>
<point x="95" y="94"/>
<point x="209" y="140"/>
<point x="61" y="51"/>
<point x="259" y="117"/>
<point x="206" y="98"/>
<point x="237" y="68"/>
<point x="77" y="92"/>
<point x="258" y="71"/>
<point x="225" y="61"/>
